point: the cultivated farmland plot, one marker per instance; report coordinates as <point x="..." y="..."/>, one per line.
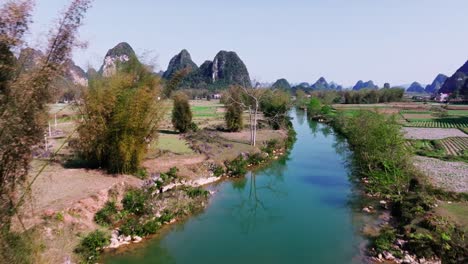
<point x="455" y="146"/>
<point x="439" y="124"/>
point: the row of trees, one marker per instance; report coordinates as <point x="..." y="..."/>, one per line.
<point x="373" y="96"/>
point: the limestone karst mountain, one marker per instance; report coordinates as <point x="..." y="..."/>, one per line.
<point x="436" y="84"/>
<point x="457" y="83"/>
<point x="116" y="56"/>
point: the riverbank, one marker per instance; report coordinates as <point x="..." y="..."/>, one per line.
<point x="66" y="197"/>
<point x="414" y="231"/>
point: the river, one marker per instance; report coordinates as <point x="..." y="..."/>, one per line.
<point x="297" y="210"/>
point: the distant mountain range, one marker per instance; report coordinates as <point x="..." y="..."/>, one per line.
<point x="228" y="69"/>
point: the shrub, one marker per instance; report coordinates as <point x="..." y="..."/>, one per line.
<point x="151" y="227"/>
<point x="218" y="171"/>
<point x="193" y="192"/>
<point x="132" y="227"/>
<point x="106" y="216"/>
<point x="234" y="110"/>
<point x="194" y="127"/>
<point x="237" y="167"/>
<point x="166" y="217"/>
<point x="255" y="159"/>
<point x="91" y="246"/>
<point x="384" y="241"/>
<point x="181" y="113"/>
<point x="270" y="146"/>
<point x="135" y="201"/>
<point x="141" y="173"/>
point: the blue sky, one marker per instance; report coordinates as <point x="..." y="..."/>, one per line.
<point x="396" y="41"/>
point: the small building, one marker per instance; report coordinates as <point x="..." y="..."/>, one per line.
<point x="442" y="97"/>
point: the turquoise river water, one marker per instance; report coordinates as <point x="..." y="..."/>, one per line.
<point x="297" y="210"/>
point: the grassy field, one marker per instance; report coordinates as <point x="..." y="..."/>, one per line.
<point x="173" y="143"/>
<point x="456" y="211"/>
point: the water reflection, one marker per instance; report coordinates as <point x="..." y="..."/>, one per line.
<point x="301" y="116"/>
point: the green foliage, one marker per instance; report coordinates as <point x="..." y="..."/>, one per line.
<point x="378" y="150"/>
<point x="270" y="146"/>
<point x="181" y="113"/>
<point x="91" y="246"/>
<point x="326" y="110"/>
<point x="141" y="173"/>
<point x="385" y="239"/>
<point x="255" y="159"/>
<point x="367" y="96"/>
<point x="301" y="99"/>
<point x="234" y="109"/>
<point x="131" y="226"/>
<point x="107" y="215"/>
<point x="59" y="216"/>
<point x="16" y="248"/>
<point x="135" y="201"/>
<point x="151" y="227"/>
<point x="237" y="167"/>
<point x="121" y="114"/>
<point x="275" y="105"/>
<point x="314" y="107"/>
<point x="193" y="192"/>
<point x="166" y="217"/>
<point x="218" y="171"/>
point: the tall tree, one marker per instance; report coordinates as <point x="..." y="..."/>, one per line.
<point x="121" y="116"/>
<point x="234" y="109"/>
<point x="181" y="113"/>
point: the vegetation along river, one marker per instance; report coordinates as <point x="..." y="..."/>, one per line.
<point x="297" y="210"/>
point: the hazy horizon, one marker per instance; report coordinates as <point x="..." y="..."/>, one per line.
<point x="390" y="41"/>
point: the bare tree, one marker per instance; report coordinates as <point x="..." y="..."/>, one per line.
<point x="250" y="100"/>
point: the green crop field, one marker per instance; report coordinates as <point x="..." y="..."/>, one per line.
<point x="448" y="122"/>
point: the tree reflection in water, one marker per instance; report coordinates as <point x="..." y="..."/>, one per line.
<point x="252" y="209"/>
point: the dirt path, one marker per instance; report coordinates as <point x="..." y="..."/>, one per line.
<point x="58" y="188"/>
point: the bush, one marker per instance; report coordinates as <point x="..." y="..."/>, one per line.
<point x="237" y="167"/>
<point x="255" y="159"/>
<point x="151" y="227"/>
<point x="193" y="192"/>
<point x="141" y="173"/>
<point x="135" y="201"/>
<point x="16" y="248"/>
<point x="181" y="113"/>
<point x="166" y="217"/>
<point x="270" y="146"/>
<point x="91" y="246"/>
<point x="120" y="116"/>
<point x="132" y="227"/>
<point x="107" y="215"/>
<point x="194" y="127"/>
<point x="234" y="110"/>
<point x="218" y="171"/>
<point x="384" y="241"/>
